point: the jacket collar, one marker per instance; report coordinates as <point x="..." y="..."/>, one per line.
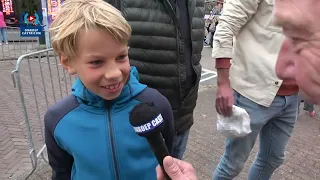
<point x="129" y="91"/>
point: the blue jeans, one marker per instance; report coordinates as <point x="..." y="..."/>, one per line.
<point x="274" y="124"/>
<point x="180" y="144"/>
<point x="3" y="32"/>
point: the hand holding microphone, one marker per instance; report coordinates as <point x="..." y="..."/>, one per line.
<point x="176" y="170"/>
<point x="148" y="122"/>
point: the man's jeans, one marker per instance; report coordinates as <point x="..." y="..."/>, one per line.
<point x="275" y="125"/>
<point x="180" y="144"/>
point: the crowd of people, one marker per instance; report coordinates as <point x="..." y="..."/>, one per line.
<point x="130" y="52"/>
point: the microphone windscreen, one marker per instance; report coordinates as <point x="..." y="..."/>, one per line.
<point x="146" y="119"/>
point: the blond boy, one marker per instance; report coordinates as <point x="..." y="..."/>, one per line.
<point x="88" y="134"/>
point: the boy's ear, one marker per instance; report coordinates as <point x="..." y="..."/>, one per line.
<point x="67" y="64"/>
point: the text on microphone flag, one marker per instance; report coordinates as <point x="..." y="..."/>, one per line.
<point x="150" y="125"/>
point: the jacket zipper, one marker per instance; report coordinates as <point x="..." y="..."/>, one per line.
<point x="113" y="149"/>
<point x="190" y="26"/>
<point x="172" y="11"/>
<point x="192" y="89"/>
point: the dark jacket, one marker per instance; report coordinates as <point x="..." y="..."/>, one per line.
<point x="157" y="51"/>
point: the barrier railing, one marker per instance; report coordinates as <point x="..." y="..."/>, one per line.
<point x="16" y="45"/>
<point x="41" y="81"/>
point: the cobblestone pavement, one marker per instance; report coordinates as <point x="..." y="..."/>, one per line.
<point x="205" y="145"/>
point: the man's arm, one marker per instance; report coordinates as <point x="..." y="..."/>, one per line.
<point x="236" y="14"/>
<point x="59" y="160"/>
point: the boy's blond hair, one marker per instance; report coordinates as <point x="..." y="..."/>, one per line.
<point x="75" y="15"/>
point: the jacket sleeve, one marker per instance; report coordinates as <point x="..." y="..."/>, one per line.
<point x="59" y="160"/>
<point x="168" y="132"/>
<point x="163" y="105"/>
<point x="236" y="13"/>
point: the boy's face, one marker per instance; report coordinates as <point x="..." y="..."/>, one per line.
<point x="299" y="58"/>
<point x="101" y="62"/>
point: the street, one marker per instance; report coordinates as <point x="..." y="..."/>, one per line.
<point x="205" y="145"/>
<point x="209" y="74"/>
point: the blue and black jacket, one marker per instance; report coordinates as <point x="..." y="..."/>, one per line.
<point x="89" y="138"/>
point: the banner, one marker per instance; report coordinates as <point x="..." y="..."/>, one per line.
<point x="30" y="24"/>
<point x="31" y="31"/>
<point x="7" y="7"/>
<point x="52" y="7"/>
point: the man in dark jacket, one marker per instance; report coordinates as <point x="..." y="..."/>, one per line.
<point x="166" y="45"/>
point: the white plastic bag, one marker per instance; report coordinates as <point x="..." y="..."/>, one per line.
<point x="237" y="125"/>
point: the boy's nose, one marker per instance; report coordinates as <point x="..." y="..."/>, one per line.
<point x="112" y="73"/>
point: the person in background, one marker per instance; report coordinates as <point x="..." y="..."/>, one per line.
<point x="3" y="29"/>
<point x="165" y="47"/>
<point x="216" y="22"/>
<point x="208" y="36"/>
<point x="250" y="82"/>
<point x="220" y="8"/>
<point x="211" y="29"/>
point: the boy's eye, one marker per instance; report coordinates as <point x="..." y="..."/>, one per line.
<point x="97" y="62"/>
<point x="122" y="57"/>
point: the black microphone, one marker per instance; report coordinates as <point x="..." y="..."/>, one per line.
<point x="148" y="122"/>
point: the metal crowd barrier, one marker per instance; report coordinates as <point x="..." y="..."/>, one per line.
<point x="17" y="45"/>
<point x="41" y="82"/>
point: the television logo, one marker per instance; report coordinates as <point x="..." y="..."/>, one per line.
<point x="30" y="24"/>
<point x="150" y="125"/>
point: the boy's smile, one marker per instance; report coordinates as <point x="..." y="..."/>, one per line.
<point x="101" y="62"/>
<point x="113" y="88"/>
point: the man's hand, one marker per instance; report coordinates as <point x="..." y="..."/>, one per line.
<point x="176" y="170"/>
<point x="224" y="100"/>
